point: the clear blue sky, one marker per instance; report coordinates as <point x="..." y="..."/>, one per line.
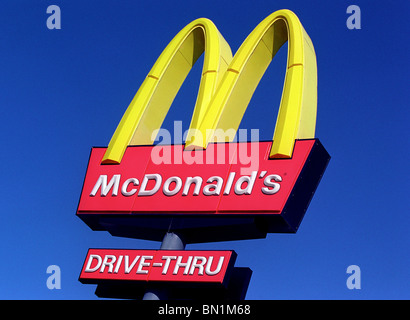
<point x="64" y="91"/>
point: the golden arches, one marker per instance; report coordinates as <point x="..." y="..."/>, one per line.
<point x="226" y="86"/>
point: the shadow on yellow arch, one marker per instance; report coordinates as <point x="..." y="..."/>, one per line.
<point x="226" y="86"/>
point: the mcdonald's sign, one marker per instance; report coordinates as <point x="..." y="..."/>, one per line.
<point x="204" y="189"/>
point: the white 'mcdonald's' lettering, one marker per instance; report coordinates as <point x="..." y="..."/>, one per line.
<point x="152" y="183"/>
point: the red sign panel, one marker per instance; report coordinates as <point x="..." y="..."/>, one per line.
<point x="157" y="265"/>
<point x="139" y="185"/>
<point x="201" y="190"/>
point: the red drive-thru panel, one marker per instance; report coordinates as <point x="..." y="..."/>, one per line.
<point x="211" y="267"/>
<point x="228" y="180"/>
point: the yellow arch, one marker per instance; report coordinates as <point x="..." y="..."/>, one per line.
<point x="297" y="112"/>
<point x="151" y="103"/>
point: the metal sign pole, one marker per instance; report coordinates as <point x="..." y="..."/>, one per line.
<point x="171" y="241"/>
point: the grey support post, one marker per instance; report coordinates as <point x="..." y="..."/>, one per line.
<point x="171" y="241"/>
